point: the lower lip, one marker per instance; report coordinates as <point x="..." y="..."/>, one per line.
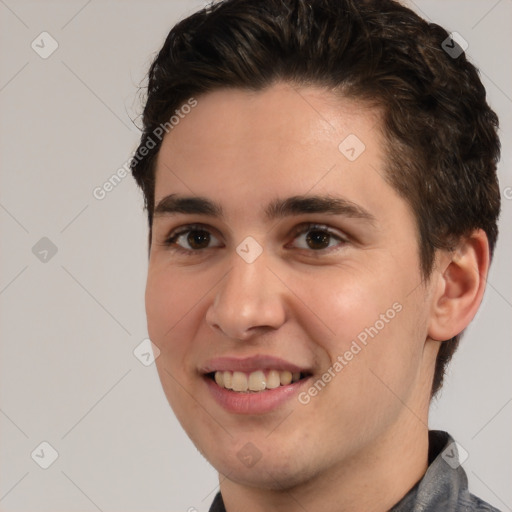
<point x="253" y="403"/>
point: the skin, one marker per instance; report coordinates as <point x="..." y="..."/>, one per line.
<point x="362" y="442"/>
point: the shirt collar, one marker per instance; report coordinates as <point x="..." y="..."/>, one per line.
<point x="444" y="481"/>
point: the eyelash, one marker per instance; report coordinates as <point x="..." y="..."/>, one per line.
<point x="299" y="230"/>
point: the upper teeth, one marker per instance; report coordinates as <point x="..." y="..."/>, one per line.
<point x="255" y="381"/>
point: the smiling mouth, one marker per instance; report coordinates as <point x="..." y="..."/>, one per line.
<point x="255" y="382"/>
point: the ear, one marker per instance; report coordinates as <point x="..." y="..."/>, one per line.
<point x="460" y="283"/>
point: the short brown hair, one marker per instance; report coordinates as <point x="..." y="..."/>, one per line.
<point x="442" y="132"/>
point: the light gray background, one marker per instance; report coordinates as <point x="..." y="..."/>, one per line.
<point x="69" y="325"/>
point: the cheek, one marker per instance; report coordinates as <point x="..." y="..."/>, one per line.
<point x="348" y="305"/>
<point x="374" y="354"/>
<point x="171" y="300"/>
<point x="372" y="323"/>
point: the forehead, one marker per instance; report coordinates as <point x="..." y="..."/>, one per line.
<point x="243" y="147"/>
<point x="281" y="116"/>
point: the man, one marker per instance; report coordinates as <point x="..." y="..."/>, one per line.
<point x="320" y="181"/>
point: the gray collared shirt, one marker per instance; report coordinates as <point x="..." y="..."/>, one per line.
<point x="443" y="488"/>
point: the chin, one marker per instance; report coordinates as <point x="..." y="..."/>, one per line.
<point x="273" y="471"/>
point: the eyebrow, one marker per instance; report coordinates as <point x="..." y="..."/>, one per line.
<point x="277" y="208"/>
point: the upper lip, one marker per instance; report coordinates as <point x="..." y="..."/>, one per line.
<point x="250" y="364"/>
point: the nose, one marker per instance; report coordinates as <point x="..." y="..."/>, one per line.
<point x="248" y="302"/>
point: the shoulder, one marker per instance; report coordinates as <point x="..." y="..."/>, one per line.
<point x="470" y="503"/>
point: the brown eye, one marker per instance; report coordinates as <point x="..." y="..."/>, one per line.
<point x="318" y="239"/>
<point x="198" y="239"/>
<point x="192" y="239"/>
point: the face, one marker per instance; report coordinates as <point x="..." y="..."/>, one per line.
<point x="290" y="275"/>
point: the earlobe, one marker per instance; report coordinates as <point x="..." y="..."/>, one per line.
<point x="460" y="286"/>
